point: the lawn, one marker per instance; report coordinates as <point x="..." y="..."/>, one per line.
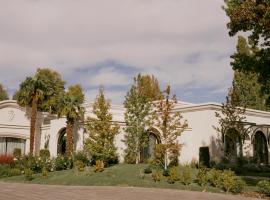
<point x="119" y="175"/>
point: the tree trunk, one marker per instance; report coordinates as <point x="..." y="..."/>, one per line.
<point x="33" y="124"/>
<point x="165" y="160"/>
<point x="69" y="143"/>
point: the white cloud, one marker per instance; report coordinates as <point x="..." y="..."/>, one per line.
<point x="154" y="36"/>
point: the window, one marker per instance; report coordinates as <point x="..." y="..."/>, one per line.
<point x="7" y="145"/>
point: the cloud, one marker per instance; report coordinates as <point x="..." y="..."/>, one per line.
<point x="99" y="42"/>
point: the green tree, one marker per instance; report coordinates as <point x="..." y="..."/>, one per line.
<point x="3" y="93"/>
<point x="37" y="92"/>
<point x="102" y="132"/>
<point x="70" y="105"/>
<point x="252" y="17"/>
<point x="170" y="125"/>
<point x="137" y="118"/>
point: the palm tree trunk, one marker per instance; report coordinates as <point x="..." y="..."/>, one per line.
<point x="33" y="124"/>
<point x="69" y="144"/>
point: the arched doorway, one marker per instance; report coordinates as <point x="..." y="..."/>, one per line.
<point x="232" y="144"/>
<point x="61" y="143"/>
<point x="148" y="152"/>
<point x="260" y="148"/>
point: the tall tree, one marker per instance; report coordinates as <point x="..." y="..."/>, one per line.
<point x="137" y="119"/>
<point x="170" y="124"/>
<point x="102" y="132"/>
<point x="252" y="17"/>
<point x="3" y="93"/>
<point x="70" y="106"/>
<point x="37" y="92"/>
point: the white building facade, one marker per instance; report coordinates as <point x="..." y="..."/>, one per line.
<point x="50" y="131"/>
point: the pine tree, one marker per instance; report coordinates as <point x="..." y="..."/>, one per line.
<point x="170" y="124"/>
<point x="102" y="132"/>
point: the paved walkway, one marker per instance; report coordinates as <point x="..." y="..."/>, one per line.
<point x="16" y="191"/>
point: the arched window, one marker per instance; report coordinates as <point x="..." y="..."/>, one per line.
<point x="149" y="151"/>
<point x="61" y="144"/>
<point x="232" y="144"/>
<point x="260" y="148"/>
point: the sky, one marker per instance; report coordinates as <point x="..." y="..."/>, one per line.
<point x="184" y="43"/>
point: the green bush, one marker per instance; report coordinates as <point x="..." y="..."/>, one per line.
<point x="81" y="156"/>
<point x="238" y="186"/>
<point x="214" y="177"/>
<point x="79" y="165"/>
<point x="44" y="172"/>
<point x="156" y="176"/>
<point x="62" y="163"/>
<point x="130" y="159"/>
<point x="28" y="174"/>
<point x="44" y="154"/>
<point x="231" y="183"/>
<point x="186" y="176"/>
<point x="17" y="152"/>
<point x="204" y="157"/>
<point x="33" y="163"/>
<point x="14" y="172"/>
<point x="165" y="172"/>
<point x="173" y="175"/>
<point x="148" y="170"/>
<point x="202" y="177"/>
<point x="99" y="166"/>
<point x="4" y="170"/>
<point x="264" y="187"/>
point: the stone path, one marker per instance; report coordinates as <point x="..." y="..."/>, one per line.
<point x="16" y="191"/>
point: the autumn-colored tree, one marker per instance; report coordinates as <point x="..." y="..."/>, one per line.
<point x="39" y="92"/>
<point x="170" y="124"/>
<point x="3" y="93"/>
<point x="70" y="106"/>
<point x="102" y="132"/>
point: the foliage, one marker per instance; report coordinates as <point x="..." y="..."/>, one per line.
<point x="28" y="174"/>
<point x="102" y="131"/>
<point x="251" y="17"/>
<point x="17" y="152"/>
<point x="40" y="92"/>
<point x="44" y="153"/>
<point x="169" y="123"/>
<point x="156" y="176"/>
<point x="264" y="187"/>
<point x="137" y="119"/>
<point x="81" y="156"/>
<point x="173" y="175"/>
<point x="202" y="177"/>
<point x="3" y="93"/>
<point x="230" y="182"/>
<point x="186" y="176"/>
<point x="99" y="166"/>
<point x="62" y="163"/>
<point x="79" y="165"/>
<point x="204" y="157"/>
<point x="44" y="172"/>
<point x="6" y="159"/>
<point x="148" y="170"/>
<point x="14" y="172"/>
<point x="214" y="177"/>
<point x="70" y="106"/>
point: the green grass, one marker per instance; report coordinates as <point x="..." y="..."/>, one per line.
<point x="119" y="175"/>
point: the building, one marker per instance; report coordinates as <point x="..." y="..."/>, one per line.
<point x="51" y="130"/>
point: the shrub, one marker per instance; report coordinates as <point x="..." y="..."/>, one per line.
<point x="186" y="176"/>
<point x="44" y="172"/>
<point x="238" y="185"/>
<point x="130" y="159"/>
<point x="264" y="187"/>
<point x="14" y="172"/>
<point x="165" y="172"/>
<point x="214" y="177"/>
<point x="81" y="156"/>
<point x="173" y="175"/>
<point x="230" y="182"/>
<point x="204" y="156"/>
<point x="79" y="165"/>
<point x="17" y="152"/>
<point x="62" y="163"/>
<point x="148" y="170"/>
<point x="44" y="154"/>
<point x="99" y="166"/>
<point x="194" y="163"/>
<point x="33" y="163"/>
<point x="158" y="160"/>
<point x="28" y="174"/>
<point x="156" y="176"/>
<point x="4" y="170"/>
<point x="6" y="160"/>
<point x="202" y="177"/>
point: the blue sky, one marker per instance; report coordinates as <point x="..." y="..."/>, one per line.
<point x="183" y="43"/>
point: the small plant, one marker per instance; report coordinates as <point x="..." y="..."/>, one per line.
<point x="214" y="177"/>
<point x="44" y="154"/>
<point x="202" y="177"/>
<point x="44" y="172"/>
<point x="79" y="165"/>
<point x="28" y="174"/>
<point x="14" y="172"/>
<point x="17" y="153"/>
<point x="227" y="178"/>
<point x="156" y="176"/>
<point x="264" y="187"/>
<point x="186" y="177"/>
<point x="99" y="166"/>
<point x="6" y="159"/>
<point x="82" y="157"/>
<point x="148" y="170"/>
<point x="166" y="172"/>
<point x="237" y="186"/>
<point x="173" y="175"/>
<point x="63" y="163"/>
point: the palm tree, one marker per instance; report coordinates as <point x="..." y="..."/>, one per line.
<point x="39" y="92"/>
<point x="70" y="106"/>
